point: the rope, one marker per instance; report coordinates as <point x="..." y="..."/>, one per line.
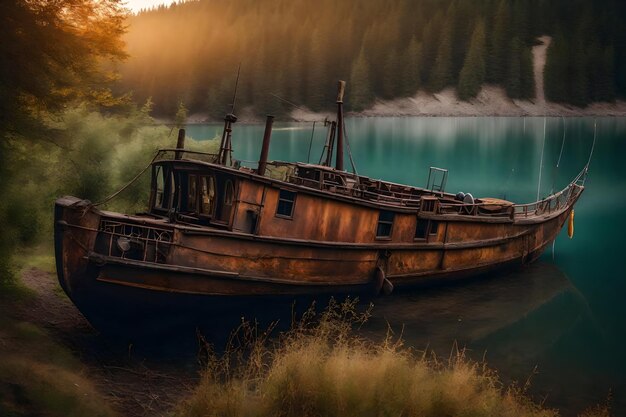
<point x="593" y="145"/>
<point x="558" y="162"/>
<point x="345" y="134"/>
<point x="115" y="194"/>
<point x="326" y="147"/>
<point x="308" y="156"/>
<point x="562" y="143"/>
<point x="541" y="160"/>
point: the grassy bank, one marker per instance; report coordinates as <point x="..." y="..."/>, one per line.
<point x="321" y="368"/>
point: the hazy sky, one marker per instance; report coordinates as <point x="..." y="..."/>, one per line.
<point x="136" y="5"/>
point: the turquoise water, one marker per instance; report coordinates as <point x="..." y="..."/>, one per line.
<point x="566" y="314"/>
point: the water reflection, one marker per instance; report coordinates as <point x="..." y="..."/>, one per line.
<point x="566" y="315"/>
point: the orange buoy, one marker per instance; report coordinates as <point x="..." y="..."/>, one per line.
<point x="570" y="225"/>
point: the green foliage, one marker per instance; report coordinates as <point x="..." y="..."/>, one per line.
<point x="499" y="43"/>
<point x="441" y="75"/>
<point x="514" y="73"/>
<point x="359" y="93"/>
<point x="53" y="54"/>
<point x="180" y="119"/>
<point x="298" y="49"/>
<point x="390" y="87"/>
<point x="412" y="61"/>
<point x="556" y="70"/>
<point x="520" y="82"/>
<point x="527" y="76"/>
<point x="473" y="72"/>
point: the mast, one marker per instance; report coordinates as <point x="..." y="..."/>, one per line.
<point x="225" y="154"/>
<point x="339" y="161"/>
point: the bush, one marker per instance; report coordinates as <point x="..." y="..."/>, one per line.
<point x="321" y="368"/>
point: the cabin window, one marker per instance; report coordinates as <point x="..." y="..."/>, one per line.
<point x="421" y="228"/>
<point x="428" y="204"/>
<point x="229" y="193"/>
<point x="434" y="227"/>
<point x="207" y="195"/>
<point x="192" y="194"/>
<point x="164" y="183"/>
<point x="385" y="224"/>
<point x="286" y="201"/>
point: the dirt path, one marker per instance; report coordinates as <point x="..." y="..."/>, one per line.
<point x="136" y="385"/>
<point x="539" y="63"/>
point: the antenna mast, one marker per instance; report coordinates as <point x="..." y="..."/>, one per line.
<point x="225" y="156"/>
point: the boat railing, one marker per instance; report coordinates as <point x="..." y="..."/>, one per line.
<point x="133" y="241"/>
<point x="175" y="153"/>
<point x="498" y="209"/>
<point x="351" y="187"/>
<point x="548" y="205"/>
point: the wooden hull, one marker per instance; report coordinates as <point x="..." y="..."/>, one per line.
<point x="204" y="272"/>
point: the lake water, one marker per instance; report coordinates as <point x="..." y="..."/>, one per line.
<point x="565" y="314"/>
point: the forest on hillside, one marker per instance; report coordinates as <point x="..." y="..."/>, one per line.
<point x="297" y="49"/>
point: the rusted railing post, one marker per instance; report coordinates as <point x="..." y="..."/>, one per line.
<point x="265" y="148"/>
<point x="339" y="162"/>
<point x="180" y="143"/>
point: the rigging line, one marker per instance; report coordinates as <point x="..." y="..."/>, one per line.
<point x="345" y="134"/>
<point x="308" y="157"/>
<point x="541" y="160"/>
<point x="326" y="146"/>
<point x="232" y="108"/>
<point x="555" y="171"/>
<point x="562" y="143"/>
<point x="115" y="194"/>
<point x="288" y="102"/>
<point x="593" y="145"/>
<point x="292" y="104"/>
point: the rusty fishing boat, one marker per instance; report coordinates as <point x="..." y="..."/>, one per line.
<point x="216" y="230"/>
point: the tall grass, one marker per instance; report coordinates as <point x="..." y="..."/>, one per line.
<point x="322" y="368"/>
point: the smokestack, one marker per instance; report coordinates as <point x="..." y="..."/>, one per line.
<point x="180" y="143"/>
<point x="266" y="145"/>
<point x="339" y="162"/>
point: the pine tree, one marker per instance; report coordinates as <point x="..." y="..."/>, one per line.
<point x="412" y="61"/>
<point x="607" y="79"/>
<point x="513" y="80"/>
<point x="390" y="80"/>
<point x="464" y="25"/>
<point x="579" y="80"/>
<point x="180" y="119"/>
<point x="430" y="37"/>
<point x="527" y="74"/>
<point x="360" y="94"/>
<point x="500" y="40"/>
<point x="441" y="75"/>
<point x="601" y="63"/>
<point x="555" y="71"/>
<point x="473" y="72"/>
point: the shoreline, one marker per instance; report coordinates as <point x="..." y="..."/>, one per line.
<point x="490" y="102"/>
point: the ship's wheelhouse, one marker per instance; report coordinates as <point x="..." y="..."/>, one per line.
<point x="193" y="193"/>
